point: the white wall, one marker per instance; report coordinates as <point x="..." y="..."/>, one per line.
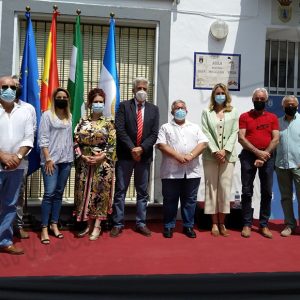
<point x="0" y="20"/>
<point x="247" y="21"/>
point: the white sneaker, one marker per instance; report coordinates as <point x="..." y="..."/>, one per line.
<point x="287" y="231"/>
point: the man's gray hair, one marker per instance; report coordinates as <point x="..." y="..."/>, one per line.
<point x="263" y="90"/>
<point x="138" y="80"/>
<point x="289" y="97"/>
<point x="176" y="102"/>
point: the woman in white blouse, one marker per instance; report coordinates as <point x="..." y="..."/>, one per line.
<point x="56" y="143"/>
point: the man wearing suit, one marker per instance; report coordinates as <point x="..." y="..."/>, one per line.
<point x="137" y="124"/>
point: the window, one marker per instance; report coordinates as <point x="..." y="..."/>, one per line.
<point x="135" y="57"/>
<point x="281" y="67"/>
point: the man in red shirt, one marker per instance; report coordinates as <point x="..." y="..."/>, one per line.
<point x="259" y="136"/>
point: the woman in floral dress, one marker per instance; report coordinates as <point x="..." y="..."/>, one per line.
<point x="95" y="141"/>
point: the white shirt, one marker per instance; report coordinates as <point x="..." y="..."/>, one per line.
<point x="31" y="110"/>
<point x="143" y="108"/>
<point x="16" y="131"/>
<point x="57" y="136"/>
<point x="183" y="139"/>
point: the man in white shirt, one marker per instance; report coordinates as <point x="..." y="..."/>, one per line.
<point x="181" y="142"/>
<point x="18" y="224"/>
<point x="16" y="140"/>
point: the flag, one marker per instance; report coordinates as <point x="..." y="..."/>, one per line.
<point x="50" y="74"/>
<point x="109" y="76"/>
<point x="29" y="77"/>
<point x="75" y="82"/>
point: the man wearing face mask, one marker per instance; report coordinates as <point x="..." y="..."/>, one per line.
<point x="137" y="123"/>
<point x="18" y="224"/>
<point x="259" y="136"/>
<point x="16" y="140"/>
<point x="181" y="142"/>
<point x="288" y="161"/>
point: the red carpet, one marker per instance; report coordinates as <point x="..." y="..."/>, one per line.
<point x="132" y="253"/>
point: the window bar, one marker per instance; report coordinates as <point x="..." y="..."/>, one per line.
<point x="92" y="55"/>
<point x="63" y="56"/>
<point x="296" y="68"/>
<point x="146" y="62"/>
<point x="128" y="59"/>
<point x="137" y="53"/>
<point x="270" y="60"/>
<point x="278" y="66"/>
<point x="286" y="66"/>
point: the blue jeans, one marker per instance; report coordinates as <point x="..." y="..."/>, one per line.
<point x="186" y="190"/>
<point x="10" y="183"/>
<point x="124" y="169"/>
<point x="265" y="173"/>
<point x="54" y="186"/>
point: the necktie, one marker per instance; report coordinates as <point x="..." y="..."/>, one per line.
<point x="139" y="120"/>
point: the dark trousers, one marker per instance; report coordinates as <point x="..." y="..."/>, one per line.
<point x="184" y="189"/>
<point x="265" y="173"/>
<point x="124" y="169"/>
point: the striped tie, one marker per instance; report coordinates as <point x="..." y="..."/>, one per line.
<point x="139" y="120"/>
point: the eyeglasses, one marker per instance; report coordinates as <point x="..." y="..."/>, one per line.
<point x="5" y="87"/>
<point x="258" y="98"/>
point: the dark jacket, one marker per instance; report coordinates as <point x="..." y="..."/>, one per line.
<point x="126" y="128"/>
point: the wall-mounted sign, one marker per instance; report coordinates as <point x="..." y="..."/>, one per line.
<point x="213" y="68"/>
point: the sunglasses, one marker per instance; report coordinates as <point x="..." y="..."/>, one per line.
<point x="5" y="87"/>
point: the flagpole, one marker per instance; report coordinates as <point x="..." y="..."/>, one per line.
<point x="25" y="208"/>
<point x="28" y="219"/>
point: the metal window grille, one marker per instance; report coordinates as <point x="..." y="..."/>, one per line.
<point x="135" y="48"/>
<point x="281" y="67"/>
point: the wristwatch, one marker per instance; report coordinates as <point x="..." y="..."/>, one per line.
<point x="20" y="156"/>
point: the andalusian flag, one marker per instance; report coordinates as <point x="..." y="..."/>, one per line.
<point x="50" y="75"/>
<point x="75" y="82"/>
<point x="109" y="76"/>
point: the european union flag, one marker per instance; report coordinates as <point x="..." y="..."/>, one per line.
<point x="30" y="88"/>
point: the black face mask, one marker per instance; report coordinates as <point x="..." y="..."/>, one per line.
<point x="60" y="103"/>
<point x="259" y="105"/>
<point x="290" y="110"/>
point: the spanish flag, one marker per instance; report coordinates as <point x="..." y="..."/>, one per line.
<point x="50" y="74"/>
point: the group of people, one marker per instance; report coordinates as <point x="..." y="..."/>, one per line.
<point x="106" y="152"/>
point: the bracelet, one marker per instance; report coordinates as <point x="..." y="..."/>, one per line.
<point x="191" y="154"/>
<point x="48" y="159"/>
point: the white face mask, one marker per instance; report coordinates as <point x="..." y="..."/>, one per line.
<point x="141" y="96"/>
<point x="8" y="95"/>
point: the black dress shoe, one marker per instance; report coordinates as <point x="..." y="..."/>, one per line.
<point x="189" y="232"/>
<point x="168" y="233"/>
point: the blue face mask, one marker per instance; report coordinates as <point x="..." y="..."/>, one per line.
<point x="180" y="114"/>
<point x="8" y="95"/>
<point x="220" y="99"/>
<point x="98" y="107"/>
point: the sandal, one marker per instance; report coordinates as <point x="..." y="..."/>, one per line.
<point x="83" y="233"/>
<point x="44" y="236"/>
<point x="94" y="237"/>
<point x="45" y="241"/>
<point x="59" y="235"/>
